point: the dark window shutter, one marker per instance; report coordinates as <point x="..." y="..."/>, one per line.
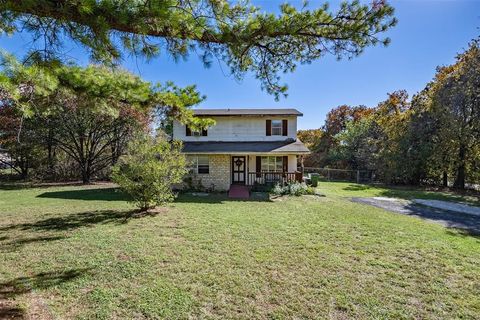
<point x="269" y="127"/>
<point x="188" y="132"/>
<point x="285" y="163"/>
<point x="258" y="165"/>
<point x="204" y="132"/>
<point x="285" y="127"/>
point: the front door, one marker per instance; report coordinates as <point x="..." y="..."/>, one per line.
<point x="238" y="169"/>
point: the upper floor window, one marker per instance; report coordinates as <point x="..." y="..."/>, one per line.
<point x="277" y="127"/>
<point x="196" y="133"/>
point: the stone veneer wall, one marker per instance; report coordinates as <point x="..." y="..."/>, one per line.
<point x="219" y="174"/>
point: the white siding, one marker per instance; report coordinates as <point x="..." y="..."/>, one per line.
<point x="292" y="163"/>
<point x="238" y="128"/>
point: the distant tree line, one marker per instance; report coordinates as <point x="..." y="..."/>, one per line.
<point x="430" y="138"/>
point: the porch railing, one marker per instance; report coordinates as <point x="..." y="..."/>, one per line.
<point x="263" y="178"/>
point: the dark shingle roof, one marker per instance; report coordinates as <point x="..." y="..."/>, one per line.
<point x="247" y="112"/>
<point x="286" y="146"/>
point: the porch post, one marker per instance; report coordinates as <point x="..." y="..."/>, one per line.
<point x="247" y="161"/>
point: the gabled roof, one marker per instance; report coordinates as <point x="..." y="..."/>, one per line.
<point x="235" y="147"/>
<point x="247" y="112"/>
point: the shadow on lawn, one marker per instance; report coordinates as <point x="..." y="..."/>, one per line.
<point x="219" y="198"/>
<point x="11" y="289"/>
<point x="463" y="224"/>
<point x="77" y="220"/>
<point x="16" y="244"/>
<point x="98" y="194"/>
<point x="18" y="185"/>
<point x="357" y="187"/>
<point x="411" y="192"/>
<point x="13" y="186"/>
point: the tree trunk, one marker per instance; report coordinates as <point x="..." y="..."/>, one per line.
<point x="85" y="178"/>
<point x="460" y="178"/>
<point x="24" y="164"/>
<point x="445" y="179"/>
<point x="50" y="159"/>
<point x="86" y="174"/>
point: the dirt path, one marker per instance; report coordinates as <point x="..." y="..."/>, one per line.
<point x="449" y="219"/>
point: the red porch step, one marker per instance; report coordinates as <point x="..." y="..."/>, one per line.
<point x="239" y="192"/>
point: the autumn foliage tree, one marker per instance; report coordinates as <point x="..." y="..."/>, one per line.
<point x="456" y="102"/>
<point x="432" y="138"/>
<point x="326" y="140"/>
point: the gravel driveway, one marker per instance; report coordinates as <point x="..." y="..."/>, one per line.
<point x="450" y="219"/>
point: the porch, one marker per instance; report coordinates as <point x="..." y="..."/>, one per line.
<point x="217" y="165"/>
<point x="266" y="178"/>
<point x="261" y="181"/>
<point x="253" y="170"/>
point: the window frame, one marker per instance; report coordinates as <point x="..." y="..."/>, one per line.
<point x="272" y="163"/>
<point x="195" y="133"/>
<point x="196" y="167"/>
<point x="276" y="125"/>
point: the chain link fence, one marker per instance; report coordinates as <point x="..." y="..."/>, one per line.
<point x="329" y="174"/>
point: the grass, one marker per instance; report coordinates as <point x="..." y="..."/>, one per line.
<point x="79" y="252"/>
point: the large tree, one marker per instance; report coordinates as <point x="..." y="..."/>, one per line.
<point x="337" y="120"/>
<point x="243" y="36"/>
<point x="88" y="113"/>
<point x="456" y="102"/>
<point x="23" y="146"/>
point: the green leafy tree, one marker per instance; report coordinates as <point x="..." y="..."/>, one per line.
<point x="426" y="139"/>
<point x="425" y="156"/>
<point x="359" y="145"/>
<point x="325" y="151"/>
<point x="88" y="113"/>
<point x="311" y="138"/>
<point x="243" y="36"/>
<point x="149" y="169"/>
<point x="392" y="117"/>
<point x="456" y="102"/>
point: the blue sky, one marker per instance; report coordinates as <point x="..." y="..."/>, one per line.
<point x="428" y="34"/>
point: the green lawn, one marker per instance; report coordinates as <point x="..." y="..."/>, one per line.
<point x="77" y="252"/>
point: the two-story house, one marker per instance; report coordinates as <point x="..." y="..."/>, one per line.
<point x="244" y="147"/>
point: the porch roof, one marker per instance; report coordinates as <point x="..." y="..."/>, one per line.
<point x="240" y="147"/>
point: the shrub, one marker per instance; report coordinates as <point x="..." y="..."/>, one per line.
<point x="293" y="188"/>
<point x="297" y="189"/>
<point x="310" y="190"/>
<point x="149" y="170"/>
<point x="278" y="189"/>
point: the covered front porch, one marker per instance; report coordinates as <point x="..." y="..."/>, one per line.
<point x="258" y="169"/>
<point x="219" y="165"/>
<point x="260" y="172"/>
